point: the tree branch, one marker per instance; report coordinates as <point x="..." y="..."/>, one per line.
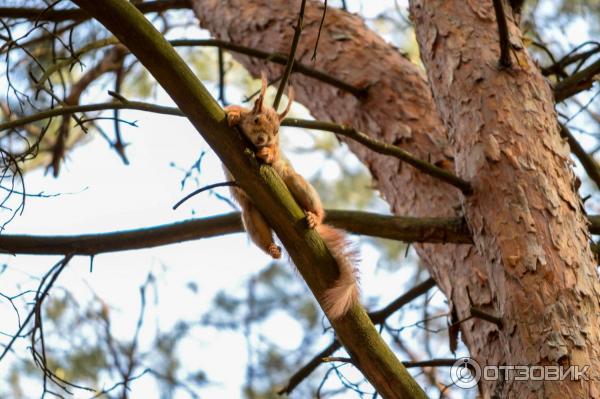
<point x="432" y="230"/>
<point x="384" y="148"/>
<point x="505" y="60"/>
<point x="236" y="48"/>
<point x="371" y="354"/>
<point x="41" y="14"/>
<point x="71" y="109"/>
<point x="369" y="142"/>
<point x="576" y="83"/>
<point x="381" y="315"/>
<point x="587" y="161"/>
<point x="377" y="317"/>
<point x="557" y="68"/>
<point x="290" y="61"/>
<point x="273" y="57"/>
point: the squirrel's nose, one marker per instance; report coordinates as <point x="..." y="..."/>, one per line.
<point x="261" y="139"/>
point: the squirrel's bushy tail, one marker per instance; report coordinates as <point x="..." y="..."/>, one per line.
<point x="338" y="299"/>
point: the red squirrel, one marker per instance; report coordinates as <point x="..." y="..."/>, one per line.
<point x="261" y="126"/>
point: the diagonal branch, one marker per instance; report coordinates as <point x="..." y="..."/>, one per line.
<point x="377" y="317"/>
<point x="587" y="161"/>
<point x="53" y="15"/>
<point x="505" y="60"/>
<point x="275" y="58"/>
<point x="577" y="82"/>
<point x="384" y="148"/>
<point x="290" y="61"/>
<point x="370" y="353"/>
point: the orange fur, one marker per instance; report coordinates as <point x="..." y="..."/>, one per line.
<point x="261" y="126"/>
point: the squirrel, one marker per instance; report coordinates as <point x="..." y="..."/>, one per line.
<point x="260" y="125"/>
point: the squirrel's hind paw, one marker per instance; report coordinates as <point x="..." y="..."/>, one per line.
<point x="274" y="251"/>
<point x="312" y="220"/>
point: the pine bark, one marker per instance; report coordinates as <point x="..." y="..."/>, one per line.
<point x="531" y="264"/>
<point x="527" y="219"/>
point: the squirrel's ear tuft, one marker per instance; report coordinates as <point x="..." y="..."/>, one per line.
<point x="258" y="104"/>
<point x="289" y="104"/>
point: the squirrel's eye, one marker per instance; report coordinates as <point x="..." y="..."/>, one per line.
<point x="256" y="119"/>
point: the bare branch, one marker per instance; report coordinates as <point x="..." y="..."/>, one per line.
<point x="505" y="60"/>
<point x="384" y="148"/>
<point x="436" y="230"/>
<point x="375" y="145"/>
<point x="577" y="82"/>
<point x="480" y="314"/>
<point x="290" y="61"/>
<point x="71" y="109"/>
<point x="40" y="14"/>
<point x="276" y="58"/>
<point x="41" y="294"/>
<point x="202" y="189"/>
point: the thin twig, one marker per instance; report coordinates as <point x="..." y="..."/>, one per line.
<point x="576" y="83"/>
<point x="43" y="293"/>
<point x="39" y="14"/>
<point x="314" y="55"/>
<point x="505" y="60"/>
<point x="290" y="61"/>
<point x="202" y="189"/>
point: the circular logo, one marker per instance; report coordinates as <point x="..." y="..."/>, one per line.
<point x="465" y="373"/>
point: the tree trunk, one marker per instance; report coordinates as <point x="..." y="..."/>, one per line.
<point x="531" y="265"/>
<point x="525" y="212"/>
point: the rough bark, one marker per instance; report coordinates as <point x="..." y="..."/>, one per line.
<point x="536" y="270"/>
<point x="525" y="214"/>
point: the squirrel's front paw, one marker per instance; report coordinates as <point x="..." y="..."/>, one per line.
<point x="265" y="154"/>
<point x="274" y="251"/>
<point x="233" y="117"/>
<point x="312" y="220"/>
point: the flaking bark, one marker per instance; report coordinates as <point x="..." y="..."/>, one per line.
<point x="526" y="217"/>
<point x="536" y="271"/>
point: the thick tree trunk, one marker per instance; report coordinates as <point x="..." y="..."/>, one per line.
<point x="525" y="213"/>
<point x="531" y="265"/>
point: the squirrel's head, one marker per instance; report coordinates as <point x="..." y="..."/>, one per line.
<point x="261" y="125"/>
